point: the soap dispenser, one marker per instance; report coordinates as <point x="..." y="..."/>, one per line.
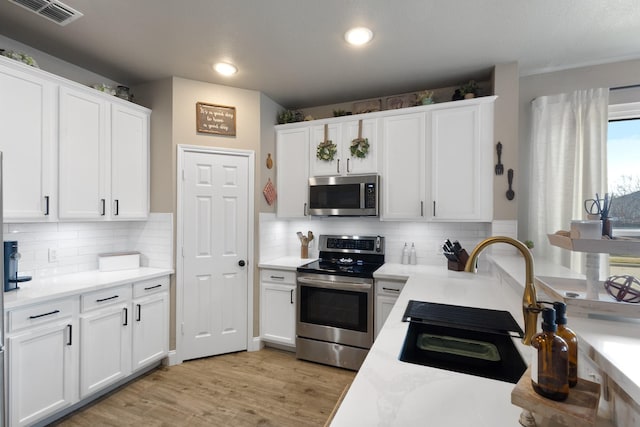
<point x="412" y="254"/>
<point x="405" y="254"/>
<point x="571" y="339"/>
<point x="550" y="363"/>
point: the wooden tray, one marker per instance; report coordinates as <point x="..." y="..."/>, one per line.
<point x="580" y="408"/>
<point x="616" y="246"/>
<point x="573" y="292"/>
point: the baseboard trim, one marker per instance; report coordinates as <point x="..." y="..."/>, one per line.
<point x="255" y="344"/>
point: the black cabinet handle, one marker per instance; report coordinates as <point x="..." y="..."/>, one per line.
<point x="117" y="207"/>
<point x="390" y="289"/>
<point x="103" y="213"/>
<point x="152" y="287"/>
<point x="434" y="208"/>
<point x="277" y="277"/>
<point x="46" y="205"/>
<point x="338" y="169"/>
<point x="70" y="331"/>
<point x="44" y="314"/>
<point x="126" y="316"/>
<point x="139" y="316"/>
<point x="291" y="296"/>
<point x="107" y="299"/>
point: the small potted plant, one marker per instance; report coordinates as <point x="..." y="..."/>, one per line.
<point x="290" y="116"/>
<point x="425" y="97"/>
<point x="469" y="89"/>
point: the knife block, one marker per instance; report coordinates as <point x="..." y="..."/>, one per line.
<point x="461" y="263"/>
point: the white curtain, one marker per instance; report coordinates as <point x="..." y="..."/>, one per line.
<point x="568" y="165"/>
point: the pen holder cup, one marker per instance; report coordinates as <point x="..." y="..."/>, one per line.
<point x="459" y="265"/>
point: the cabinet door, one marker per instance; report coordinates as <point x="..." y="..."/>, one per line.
<point x="42" y="372"/>
<point x="105" y="347"/>
<point x="354" y="163"/>
<point x="27" y="114"/>
<point x="83" y="155"/>
<point x="319" y="167"/>
<point x="150" y="329"/>
<point x="292" y="165"/>
<point x="129" y="163"/>
<point x="461" y="163"/>
<point x="278" y="317"/>
<point x="403" y="167"/>
<point x="384" y="304"/>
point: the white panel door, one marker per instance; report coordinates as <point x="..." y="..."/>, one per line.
<point x="84" y="137"/>
<point x="129" y="163"/>
<point x="215" y="277"/>
<point x="403" y="167"/>
<point x="27" y="120"/>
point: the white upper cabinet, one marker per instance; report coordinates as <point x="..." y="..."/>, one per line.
<point x="403" y="167"/>
<point x="461" y="162"/>
<point x="354" y="154"/>
<point x="70" y="152"/>
<point x="292" y="163"/>
<point x="84" y="138"/>
<point x="129" y="163"/>
<point x="27" y="120"/>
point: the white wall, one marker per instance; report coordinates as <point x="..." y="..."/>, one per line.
<point x="278" y="237"/>
<point x="78" y="244"/>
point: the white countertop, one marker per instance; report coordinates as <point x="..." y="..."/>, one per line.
<point x="43" y="289"/>
<point x="388" y="392"/>
<point x="286" y="263"/>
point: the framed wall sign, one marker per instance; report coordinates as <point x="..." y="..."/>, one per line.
<point x="218" y="119"/>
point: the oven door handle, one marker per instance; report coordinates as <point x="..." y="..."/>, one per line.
<point x="332" y="284"/>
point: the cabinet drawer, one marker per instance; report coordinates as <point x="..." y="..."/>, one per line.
<point x="39" y="314"/>
<point x="278" y="276"/>
<point x="105" y="297"/>
<point x="161" y="284"/>
<point x="389" y="287"/>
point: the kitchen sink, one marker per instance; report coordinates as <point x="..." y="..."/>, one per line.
<point x="440" y="337"/>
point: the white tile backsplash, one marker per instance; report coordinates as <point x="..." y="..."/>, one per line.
<point x="278" y="237"/>
<point x="77" y="244"/>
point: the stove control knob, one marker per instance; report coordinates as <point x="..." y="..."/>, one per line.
<point x="241" y="263"/>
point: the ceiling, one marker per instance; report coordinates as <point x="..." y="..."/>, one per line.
<point x="294" y="51"/>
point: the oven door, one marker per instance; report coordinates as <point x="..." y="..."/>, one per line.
<point x="335" y="309"/>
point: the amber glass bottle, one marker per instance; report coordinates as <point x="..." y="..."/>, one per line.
<point x="550" y="366"/>
<point x="570" y="338"/>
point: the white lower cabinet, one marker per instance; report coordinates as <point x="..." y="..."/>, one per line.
<point x="150" y="320"/>
<point x="105" y="338"/>
<point x="42" y="360"/>
<point x="278" y="307"/>
<point x="387" y="292"/>
<point x="53" y="364"/>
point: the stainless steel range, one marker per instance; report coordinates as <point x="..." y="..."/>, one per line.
<point x="334" y="312"/>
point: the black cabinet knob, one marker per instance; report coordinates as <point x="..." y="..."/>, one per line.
<point x="241" y="263"/>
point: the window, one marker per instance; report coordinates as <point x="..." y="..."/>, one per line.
<point x="623" y="164"/>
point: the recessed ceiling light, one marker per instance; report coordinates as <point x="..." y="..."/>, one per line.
<point x="225" y="68"/>
<point x="358" y="36"/>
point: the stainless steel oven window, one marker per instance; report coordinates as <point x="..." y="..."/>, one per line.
<point x="335" y="308"/>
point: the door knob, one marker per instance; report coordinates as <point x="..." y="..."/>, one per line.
<point x="241" y="263"/>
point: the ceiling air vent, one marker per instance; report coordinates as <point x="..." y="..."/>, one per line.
<point x="52" y="10"/>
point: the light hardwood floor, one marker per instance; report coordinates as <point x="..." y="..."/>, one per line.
<point x="266" y="388"/>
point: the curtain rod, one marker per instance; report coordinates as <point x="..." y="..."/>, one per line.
<point x="625" y="87"/>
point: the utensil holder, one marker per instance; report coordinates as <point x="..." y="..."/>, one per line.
<point x="459" y="265"/>
<point x="304" y="251"/>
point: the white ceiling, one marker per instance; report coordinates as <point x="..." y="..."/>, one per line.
<point x="294" y="52"/>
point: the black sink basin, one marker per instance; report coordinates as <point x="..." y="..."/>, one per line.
<point x="438" y="338"/>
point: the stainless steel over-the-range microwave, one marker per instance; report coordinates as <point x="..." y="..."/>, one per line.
<point x="355" y="195"/>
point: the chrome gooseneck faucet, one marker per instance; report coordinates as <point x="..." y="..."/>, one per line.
<point x="530" y="306"/>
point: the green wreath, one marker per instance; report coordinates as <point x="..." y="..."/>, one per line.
<point x="359" y="148"/>
<point x="326" y="150"/>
